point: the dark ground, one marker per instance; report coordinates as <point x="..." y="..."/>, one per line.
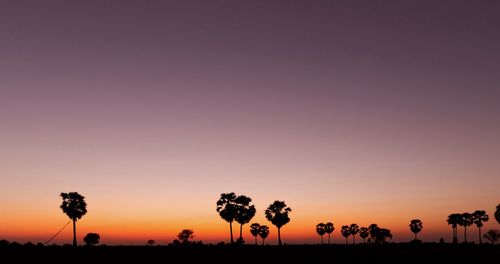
<point x="388" y="253"/>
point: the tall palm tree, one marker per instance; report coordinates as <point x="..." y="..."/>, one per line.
<point x="497" y="213"/>
<point x="320" y="229"/>
<point x="364" y="232"/>
<point x="74" y="207"/>
<point x="346" y="232"/>
<point x="244" y="212"/>
<point x="416" y="226"/>
<point x="227" y="210"/>
<point x="254" y="230"/>
<point x="465" y="220"/>
<point x="354" y="230"/>
<point x="263" y="233"/>
<point x="453" y="220"/>
<point x="479" y="217"/>
<point x="277" y="213"/>
<point x="329" y="230"/>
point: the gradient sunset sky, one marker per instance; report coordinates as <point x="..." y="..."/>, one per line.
<point x="350" y="111"/>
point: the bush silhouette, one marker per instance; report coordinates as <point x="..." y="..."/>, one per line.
<point x="92" y="239"/>
<point x="492" y="235"/>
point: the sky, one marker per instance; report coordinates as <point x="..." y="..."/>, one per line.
<point x="349" y="111"/>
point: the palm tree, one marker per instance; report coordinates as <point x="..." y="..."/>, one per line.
<point x="354" y="229"/>
<point x="254" y="230"/>
<point x="346" y="232"/>
<point x="478" y="218"/>
<point x="492" y="235"/>
<point x="373" y="229"/>
<point x="320" y="229"/>
<point x="329" y="230"/>
<point x="453" y="220"/>
<point x="227" y="210"/>
<point x="244" y="212"/>
<point x="497" y="213"/>
<point x="74" y="207"/>
<point x="416" y="226"/>
<point x="364" y="233"/>
<point x="277" y="213"/>
<point x="263" y="233"/>
<point x="465" y="220"/>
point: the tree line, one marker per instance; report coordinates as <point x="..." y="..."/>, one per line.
<point x="240" y="209"/>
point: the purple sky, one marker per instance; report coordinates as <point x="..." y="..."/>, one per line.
<point x="144" y="96"/>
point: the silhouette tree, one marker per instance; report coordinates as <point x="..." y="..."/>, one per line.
<point x="277" y="213"/>
<point x="497" y="213"/>
<point x="151" y="242"/>
<point x="382" y="234"/>
<point x="478" y="218"/>
<point x="416" y="226"/>
<point x="453" y="220"/>
<point x="254" y="230"/>
<point x="244" y="212"/>
<point x="354" y="230"/>
<point x="329" y="230"/>
<point x="263" y="233"/>
<point x="92" y="239"/>
<point x="465" y="220"/>
<point x="185" y="235"/>
<point x="227" y="210"/>
<point x="364" y="232"/>
<point x="373" y="229"/>
<point x="492" y="235"/>
<point x="320" y="229"/>
<point x="346" y="232"/>
<point x="74" y="207"/>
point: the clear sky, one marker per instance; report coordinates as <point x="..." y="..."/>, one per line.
<point x="350" y="111"/>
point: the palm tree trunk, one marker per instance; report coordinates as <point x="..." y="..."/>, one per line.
<point x="480" y="241"/>
<point x="74" y="233"/>
<point x="321" y="239"/>
<point x="415" y="236"/>
<point x="353" y="239"/>
<point x="231" y="231"/>
<point x="346" y="242"/>
<point x="465" y="234"/>
<point x="263" y="241"/>
<point x="256" y="240"/>
<point x="241" y="230"/>
<point x="328" y="239"/>
<point x="279" y="237"/>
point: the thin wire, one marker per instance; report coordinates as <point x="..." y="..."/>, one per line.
<point x="60" y="230"/>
